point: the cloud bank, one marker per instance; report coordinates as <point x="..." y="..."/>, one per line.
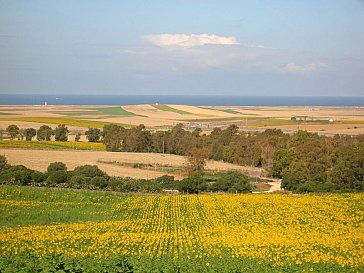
<point x="185" y="40"/>
<point x="302" y="69"/>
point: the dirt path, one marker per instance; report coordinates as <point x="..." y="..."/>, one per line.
<point x="275" y="185"/>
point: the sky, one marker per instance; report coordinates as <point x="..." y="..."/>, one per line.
<point x="182" y="47"/>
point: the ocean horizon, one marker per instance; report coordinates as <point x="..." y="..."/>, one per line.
<point x="39" y="99"/>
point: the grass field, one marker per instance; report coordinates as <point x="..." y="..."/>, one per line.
<point x="167" y="108"/>
<point x="182" y="233"/>
<point x="116" y="111"/>
<point x="52" y="145"/>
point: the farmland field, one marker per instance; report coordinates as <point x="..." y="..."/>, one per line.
<point x="52" y="145"/>
<point x="55" y="229"/>
<point x="114" y="164"/>
<point x="344" y="120"/>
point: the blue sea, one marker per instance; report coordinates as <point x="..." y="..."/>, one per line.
<point x="174" y="99"/>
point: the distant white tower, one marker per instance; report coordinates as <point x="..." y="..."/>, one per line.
<point x="45" y="103"/>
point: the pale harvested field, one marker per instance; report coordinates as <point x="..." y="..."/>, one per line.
<point x="40" y="159"/>
<point x="200" y="112"/>
<point x="329" y="129"/>
<point x="248" y="119"/>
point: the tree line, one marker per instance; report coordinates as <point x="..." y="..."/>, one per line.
<point x="306" y="162"/>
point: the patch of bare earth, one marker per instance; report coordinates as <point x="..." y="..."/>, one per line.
<point x="40" y="159"/>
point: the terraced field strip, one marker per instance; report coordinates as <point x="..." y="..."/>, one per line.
<point x="117" y="111"/>
<point x="52" y="145"/>
<point x="164" y="107"/>
<point x="63" y="120"/>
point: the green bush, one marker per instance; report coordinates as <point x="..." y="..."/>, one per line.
<point x="192" y="184"/>
<point x="56" y="166"/>
<point x="57" y="177"/>
<point x="99" y="182"/>
<point x="16" y="175"/>
<point x="89" y="171"/>
<point x="78" y="182"/>
<point x="232" y="181"/>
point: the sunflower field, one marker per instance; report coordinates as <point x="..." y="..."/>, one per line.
<point x="44" y="230"/>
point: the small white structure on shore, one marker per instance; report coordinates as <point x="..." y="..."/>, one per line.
<point x="45" y="103"/>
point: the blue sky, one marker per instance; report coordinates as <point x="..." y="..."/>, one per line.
<point x="199" y="47"/>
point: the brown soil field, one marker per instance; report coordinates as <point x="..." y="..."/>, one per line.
<point x="346" y="120"/>
<point x="40" y="159"/>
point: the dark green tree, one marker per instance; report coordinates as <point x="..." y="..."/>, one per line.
<point x="61" y="133"/>
<point x="29" y="133"/>
<point x="13" y="131"/>
<point x="44" y="133"/>
<point x="93" y="134"/>
<point x="282" y="158"/>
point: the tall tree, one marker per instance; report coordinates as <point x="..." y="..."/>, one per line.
<point x="113" y="137"/>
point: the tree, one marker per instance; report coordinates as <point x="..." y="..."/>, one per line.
<point x="196" y="161"/>
<point x="61" y="133"/>
<point x="282" y="158"/>
<point x="30" y="133"/>
<point x="44" y="133"/>
<point x="113" y="137"/>
<point x="56" y="166"/>
<point x="178" y="141"/>
<point x="13" y="131"/>
<point x="93" y="134"/>
<point x="348" y="169"/>
<point x="138" y="139"/>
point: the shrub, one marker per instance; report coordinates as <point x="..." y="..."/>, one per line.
<point x="192" y="184"/>
<point x="78" y="182"/>
<point x="232" y="181"/>
<point x="57" y="177"/>
<point x="56" y="166"/>
<point x="89" y="171"/>
<point x="99" y="182"/>
<point x="17" y="175"/>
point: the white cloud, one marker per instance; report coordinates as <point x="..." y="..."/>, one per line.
<point x="189" y="40"/>
<point x="302" y="69"/>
